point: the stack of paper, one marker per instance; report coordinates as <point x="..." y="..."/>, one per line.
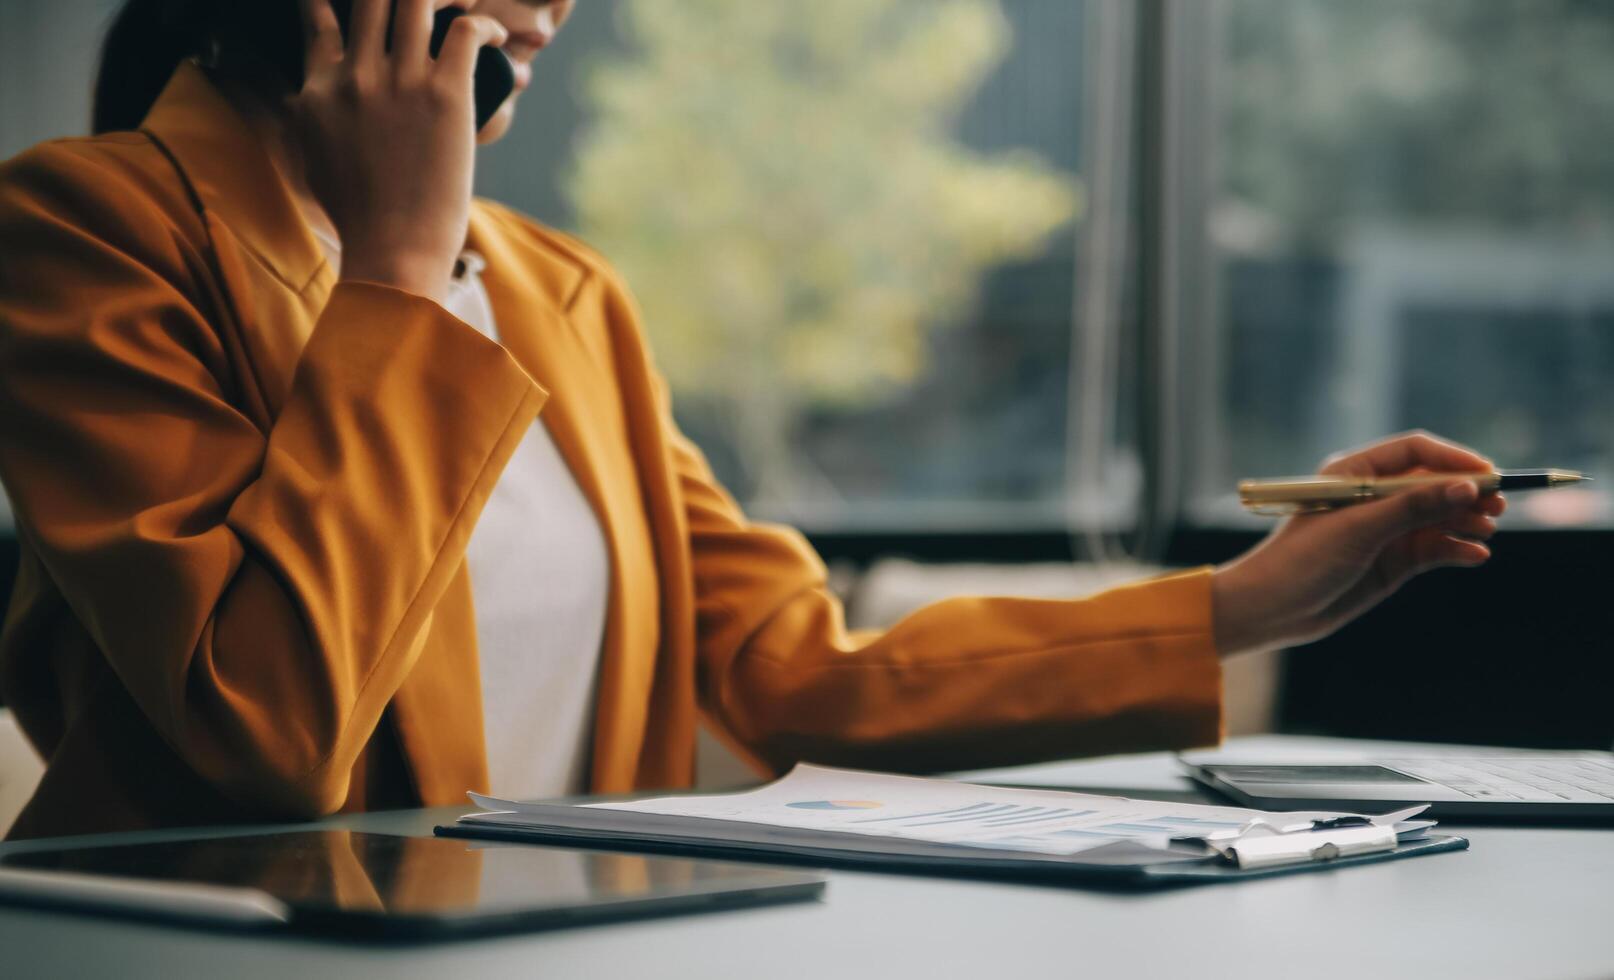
<point x="816" y="812"/>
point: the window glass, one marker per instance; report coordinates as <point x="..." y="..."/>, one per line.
<point x="1410" y="223"/>
<point x="851" y="231"/>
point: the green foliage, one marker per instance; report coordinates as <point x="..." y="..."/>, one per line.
<point x="781" y="186"/>
<point x="1485" y="113"/>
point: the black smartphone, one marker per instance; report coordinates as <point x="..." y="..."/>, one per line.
<point x="495" y="76"/>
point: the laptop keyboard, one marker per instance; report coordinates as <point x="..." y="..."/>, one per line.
<point x="1571" y="780"/>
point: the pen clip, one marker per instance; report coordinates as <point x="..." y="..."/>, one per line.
<point x="1271" y="510"/>
<point x="1291" y="508"/>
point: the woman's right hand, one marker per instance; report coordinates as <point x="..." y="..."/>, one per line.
<point x="1317" y="572"/>
<point x="389" y="137"/>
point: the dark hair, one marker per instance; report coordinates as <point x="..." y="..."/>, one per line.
<point x="257" y="41"/>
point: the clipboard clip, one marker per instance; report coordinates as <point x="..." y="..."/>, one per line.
<point x="1260" y="827"/>
<point x="1274" y="850"/>
<point x="1263" y="844"/>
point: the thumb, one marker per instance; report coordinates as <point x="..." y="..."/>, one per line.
<point x="1383" y="521"/>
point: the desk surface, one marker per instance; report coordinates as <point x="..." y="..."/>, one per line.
<point x="1523" y="902"/>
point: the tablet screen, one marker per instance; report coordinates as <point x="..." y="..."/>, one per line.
<point x="381" y="885"/>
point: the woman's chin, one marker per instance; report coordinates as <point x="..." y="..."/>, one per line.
<point x="499" y="125"/>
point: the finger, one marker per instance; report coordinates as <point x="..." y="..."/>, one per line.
<point x="1445" y="551"/>
<point x="411" y="33"/>
<point x="465" y="39"/>
<point x="1425" y="551"/>
<point x="1493" y="504"/>
<point x="322" y="36"/>
<point x="367" y="30"/>
<point x="1405" y="452"/>
<point x="1381" y="522"/>
<point x="1419" y="552"/>
<point x="1475" y="527"/>
<point x="1489" y="500"/>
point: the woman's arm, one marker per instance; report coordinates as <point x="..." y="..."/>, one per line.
<point x="962" y="683"/>
<point x="260" y="594"/>
<point x="975" y="682"/>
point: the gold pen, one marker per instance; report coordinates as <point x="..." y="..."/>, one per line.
<point x="1312" y="493"/>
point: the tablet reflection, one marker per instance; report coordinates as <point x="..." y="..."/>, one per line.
<point x="362" y="872"/>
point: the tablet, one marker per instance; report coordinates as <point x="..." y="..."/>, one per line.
<point x="382" y="887"/>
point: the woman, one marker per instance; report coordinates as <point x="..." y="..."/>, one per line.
<point x="338" y="490"/>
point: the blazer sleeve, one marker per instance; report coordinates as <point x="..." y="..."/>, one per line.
<point x="261" y="594"/>
<point x="964" y="683"/>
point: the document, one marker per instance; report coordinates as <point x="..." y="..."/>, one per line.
<point x="815" y="810"/>
<point x="941" y="811"/>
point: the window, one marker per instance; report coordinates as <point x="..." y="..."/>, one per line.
<point x="1405" y="214"/>
<point x="929" y="265"/>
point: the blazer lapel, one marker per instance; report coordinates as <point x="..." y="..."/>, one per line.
<point x="275" y="275"/>
<point x="233" y="176"/>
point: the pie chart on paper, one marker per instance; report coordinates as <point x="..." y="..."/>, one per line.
<point x="834" y="805"/>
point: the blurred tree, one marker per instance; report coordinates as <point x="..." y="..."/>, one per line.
<point x="781" y="185"/>
<point x="1484" y="113"/>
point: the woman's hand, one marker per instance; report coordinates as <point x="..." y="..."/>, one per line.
<point x="389" y="137"/>
<point x="1317" y="572"/>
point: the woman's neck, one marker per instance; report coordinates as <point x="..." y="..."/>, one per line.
<point x="269" y="122"/>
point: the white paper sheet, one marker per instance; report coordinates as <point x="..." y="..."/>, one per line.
<point x="821" y="800"/>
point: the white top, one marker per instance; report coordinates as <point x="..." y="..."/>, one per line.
<point x="540" y="577"/>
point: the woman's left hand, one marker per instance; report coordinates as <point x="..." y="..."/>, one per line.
<point x="1317" y="572"/>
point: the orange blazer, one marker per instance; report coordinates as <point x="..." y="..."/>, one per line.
<point x="244" y="491"/>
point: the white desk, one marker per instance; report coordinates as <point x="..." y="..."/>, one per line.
<point x="1521" y="903"/>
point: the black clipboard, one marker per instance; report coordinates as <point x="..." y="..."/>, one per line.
<point x="1004" y="868"/>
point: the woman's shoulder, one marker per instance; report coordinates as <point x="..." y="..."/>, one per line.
<point x="101" y="249"/>
<point x="119" y="187"/>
